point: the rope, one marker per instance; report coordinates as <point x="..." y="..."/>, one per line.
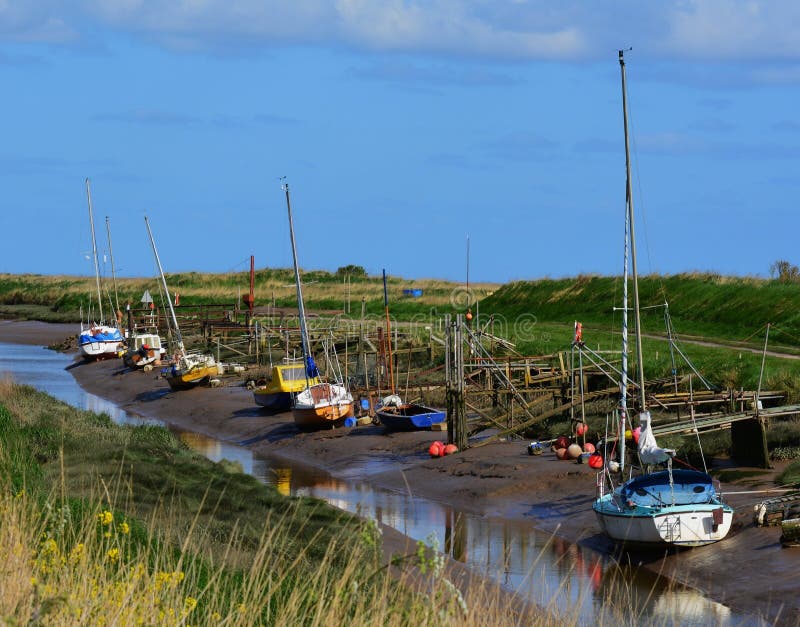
<point x="794" y="337"/>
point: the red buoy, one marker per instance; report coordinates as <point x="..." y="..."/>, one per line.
<point x="562" y="441"/>
<point x="596" y="461"/>
<point x="581" y="428"/>
<point x="561" y="453"/>
<point x="450" y="449"/>
<point x="588" y="448"/>
<point x="436" y="449"/>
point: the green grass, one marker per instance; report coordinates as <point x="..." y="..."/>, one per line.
<point x="708" y="305"/>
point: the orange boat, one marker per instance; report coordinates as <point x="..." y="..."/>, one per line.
<point x="321" y="406"/>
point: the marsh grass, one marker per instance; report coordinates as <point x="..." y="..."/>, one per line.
<point x="60" y="298"/>
<point x="106" y="524"/>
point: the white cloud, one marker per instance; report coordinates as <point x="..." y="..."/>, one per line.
<point x="734" y="29"/>
<point x="710" y="30"/>
<point x="37" y="21"/>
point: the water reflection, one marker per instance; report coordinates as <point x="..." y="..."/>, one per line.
<point x="548" y="570"/>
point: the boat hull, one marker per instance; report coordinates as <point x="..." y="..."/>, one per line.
<point x="100" y="342"/>
<point x="273" y="401"/>
<point x="322" y="416"/>
<point x="188" y="380"/>
<point x="409" y="417"/>
<point x="684" y="525"/>
<point x="677" y="507"/>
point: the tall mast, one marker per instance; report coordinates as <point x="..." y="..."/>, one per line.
<point x="113" y="273"/>
<point x="94" y="251"/>
<point x="629" y="198"/>
<point x="388" y="331"/>
<point x="300" y="307"/>
<point x="181" y="347"/>
<point x="623" y="383"/>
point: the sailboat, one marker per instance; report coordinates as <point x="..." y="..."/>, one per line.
<point x="189" y="369"/>
<point x="671" y="507"/>
<point x="98" y="340"/>
<point x="319" y="405"/>
<point x="393" y="413"/>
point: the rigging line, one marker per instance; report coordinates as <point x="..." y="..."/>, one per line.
<point x="239" y="264"/>
<point x="758" y="330"/>
<point x="794" y="337"/>
<point x="640" y="195"/>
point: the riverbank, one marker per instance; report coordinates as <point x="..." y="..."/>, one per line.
<point x="498" y="480"/>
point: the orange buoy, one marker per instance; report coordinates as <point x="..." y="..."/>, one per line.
<point x="561" y="453"/>
<point x="435" y="449"/>
<point x="636" y="433"/>
<point x="588" y="448"/>
<point x="450" y="449"/>
<point x="595" y="461"/>
<point x="574" y="451"/>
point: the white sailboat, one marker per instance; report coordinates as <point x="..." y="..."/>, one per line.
<point x="319" y="405"/>
<point x="190" y="368"/>
<point x="671" y="507"/>
<point x="98" y="340"/>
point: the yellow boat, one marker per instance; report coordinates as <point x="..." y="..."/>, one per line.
<point x="191" y="370"/>
<point x="287" y="381"/>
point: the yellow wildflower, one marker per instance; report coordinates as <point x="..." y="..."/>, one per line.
<point x="124" y="528"/>
<point x="105" y="518"/>
<point x="190" y="603"/>
<point x="113" y="555"/>
<point x="76" y="552"/>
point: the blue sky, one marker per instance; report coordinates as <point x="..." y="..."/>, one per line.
<point x="402" y="126"/>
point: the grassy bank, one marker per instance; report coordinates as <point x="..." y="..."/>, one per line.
<point x="60" y="298"/>
<point x="708" y="305"/>
<point x="103" y="524"/>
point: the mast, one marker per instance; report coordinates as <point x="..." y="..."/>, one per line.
<point x="300" y="307"/>
<point x="94" y="251"/>
<point x="623" y="383"/>
<point x="629" y="198"/>
<point x="181" y="347"/>
<point x="388" y="331"/>
<point x="113" y="273"/>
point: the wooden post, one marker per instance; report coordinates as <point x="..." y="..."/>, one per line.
<point x="460" y="426"/>
<point x="749" y="443"/>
